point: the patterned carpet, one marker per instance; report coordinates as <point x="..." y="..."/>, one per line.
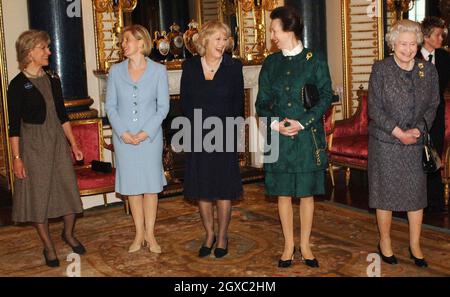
<point x="342" y="239"/>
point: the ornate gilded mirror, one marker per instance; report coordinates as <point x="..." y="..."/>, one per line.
<point x="246" y="19"/>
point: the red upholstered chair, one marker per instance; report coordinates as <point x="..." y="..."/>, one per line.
<point x="349" y="140"/>
<point x="446" y="151"/>
<point x="89" y="136"/>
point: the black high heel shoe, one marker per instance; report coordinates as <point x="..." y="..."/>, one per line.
<point x="417" y="261"/>
<point x="220" y="252"/>
<point x="206" y="251"/>
<point x="286" y="263"/>
<point x="313" y="263"/>
<point x="78" y="249"/>
<point x="50" y="263"/>
<point x="390" y="260"/>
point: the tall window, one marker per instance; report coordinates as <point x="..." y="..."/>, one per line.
<point x="418" y="12"/>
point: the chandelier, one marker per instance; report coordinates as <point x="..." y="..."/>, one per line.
<point x="399" y="7"/>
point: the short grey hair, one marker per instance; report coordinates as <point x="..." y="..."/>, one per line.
<point x="401" y="27"/>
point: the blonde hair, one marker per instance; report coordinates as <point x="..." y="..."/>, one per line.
<point x="26" y="42"/>
<point x="209" y="29"/>
<point x="140" y="33"/>
<point x="401" y="27"/>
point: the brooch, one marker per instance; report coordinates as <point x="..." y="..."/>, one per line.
<point x="421" y="73"/>
<point x="28" y="85"/>
<point x="308" y="56"/>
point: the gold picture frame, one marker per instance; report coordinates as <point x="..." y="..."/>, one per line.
<point x="6" y="151"/>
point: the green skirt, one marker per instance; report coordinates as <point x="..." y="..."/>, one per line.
<point x="300" y="184"/>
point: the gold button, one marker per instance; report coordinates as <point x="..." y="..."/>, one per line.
<point x="292" y="137"/>
<point x="290" y="58"/>
<point x="289" y="104"/>
<point x="288" y="73"/>
<point x="287" y="88"/>
<point x="304" y="109"/>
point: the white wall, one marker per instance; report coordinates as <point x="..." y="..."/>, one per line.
<point x="15" y="20"/>
<point x="334" y="42"/>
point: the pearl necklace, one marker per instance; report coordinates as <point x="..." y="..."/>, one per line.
<point x="205" y="65"/>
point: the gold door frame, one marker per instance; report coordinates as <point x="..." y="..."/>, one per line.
<point x="4" y="86"/>
<point x="346" y="5"/>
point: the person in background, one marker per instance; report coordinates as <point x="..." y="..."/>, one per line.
<point x="434" y="32"/>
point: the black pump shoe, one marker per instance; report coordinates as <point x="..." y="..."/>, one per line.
<point x="390" y="260"/>
<point x="78" y="249"/>
<point x="286" y="263"/>
<point x="220" y="252"/>
<point x="206" y="251"/>
<point x="313" y="263"/>
<point x="50" y="263"/>
<point x="417" y="261"/>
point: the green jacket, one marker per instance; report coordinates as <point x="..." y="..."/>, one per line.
<point x="280" y="83"/>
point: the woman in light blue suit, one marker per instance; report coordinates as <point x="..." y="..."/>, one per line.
<point x="137" y="101"/>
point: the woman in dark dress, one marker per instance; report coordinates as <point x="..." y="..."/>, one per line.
<point x="212" y="84"/>
<point x="45" y="184"/>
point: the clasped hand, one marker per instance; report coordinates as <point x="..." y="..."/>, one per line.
<point x="134" y="139"/>
<point x="407" y="137"/>
<point x="288" y="127"/>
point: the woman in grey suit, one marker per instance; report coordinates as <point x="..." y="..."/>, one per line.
<point x="137" y="101"/>
<point x="403" y="95"/>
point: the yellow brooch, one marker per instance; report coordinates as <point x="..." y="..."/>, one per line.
<point x="308" y="56"/>
<point x="421" y="73"/>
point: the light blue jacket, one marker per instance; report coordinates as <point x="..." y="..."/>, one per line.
<point x="134" y="107"/>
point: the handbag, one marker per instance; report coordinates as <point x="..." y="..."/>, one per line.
<point x="431" y="162"/>
<point x="310" y="96"/>
<point x="100" y="166"/>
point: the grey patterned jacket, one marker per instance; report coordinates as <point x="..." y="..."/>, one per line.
<point x="401" y="98"/>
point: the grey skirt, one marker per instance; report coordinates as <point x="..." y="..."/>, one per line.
<point x="396" y="178"/>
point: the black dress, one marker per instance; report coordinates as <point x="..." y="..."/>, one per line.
<point x="212" y="175"/>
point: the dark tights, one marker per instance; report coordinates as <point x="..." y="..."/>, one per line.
<point x="44" y="233"/>
<point x="224" y="217"/>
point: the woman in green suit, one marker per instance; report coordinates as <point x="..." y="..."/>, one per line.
<point x="299" y="171"/>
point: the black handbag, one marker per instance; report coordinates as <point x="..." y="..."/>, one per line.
<point x="100" y="166"/>
<point x="310" y="96"/>
<point x="431" y="162"/>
